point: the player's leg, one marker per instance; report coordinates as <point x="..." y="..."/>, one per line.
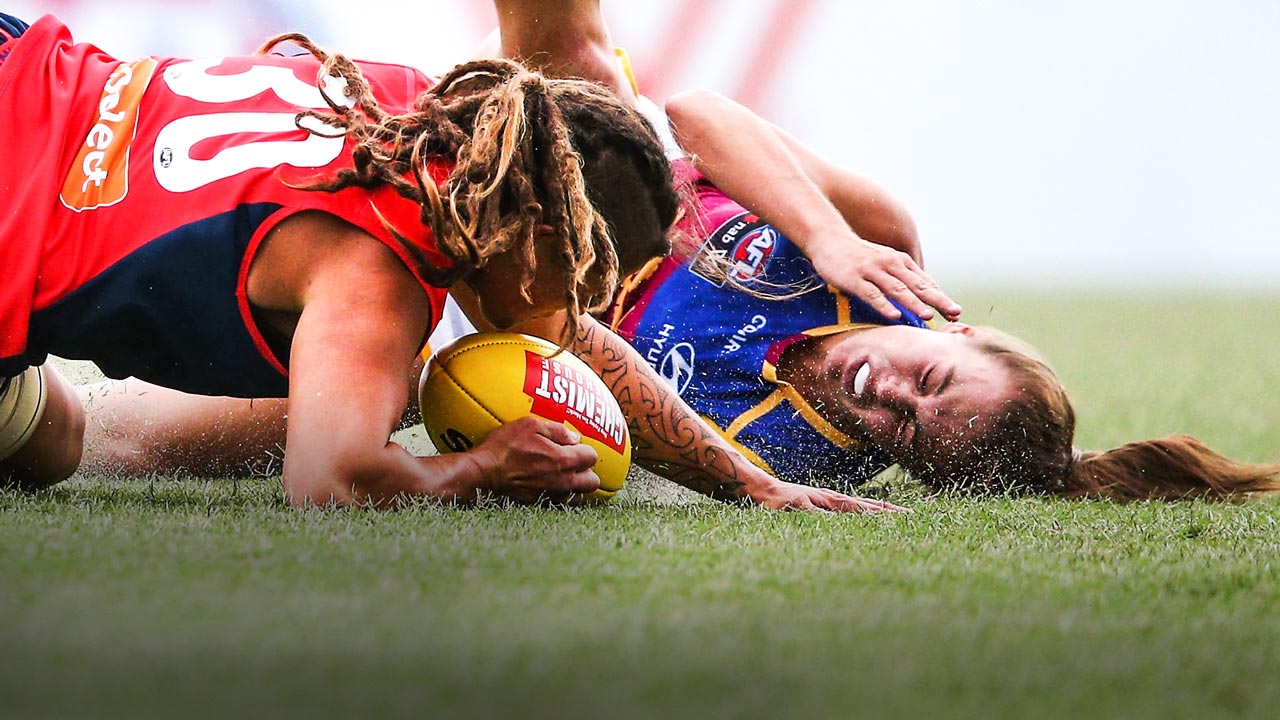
<point x="135" y="429"/>
<point x="41" y="429"/>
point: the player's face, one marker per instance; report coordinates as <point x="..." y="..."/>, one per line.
<point x="921" y="396"/>
<point x="497" y="286"/>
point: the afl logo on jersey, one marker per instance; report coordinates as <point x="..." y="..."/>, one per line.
<point x="99" y="175"/>
<point x="741" y="248"/>
<point x="752" y="252"/>
<point x="677" y="367"/>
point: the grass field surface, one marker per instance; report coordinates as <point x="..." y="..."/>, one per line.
<point x="176" y="597"/>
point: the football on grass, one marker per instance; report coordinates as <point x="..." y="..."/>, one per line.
<point x="480" y="381"/>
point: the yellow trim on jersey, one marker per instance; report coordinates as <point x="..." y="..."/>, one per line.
<point x="624" y="61"/>
<point x="747" y="452"/>
<point x="842" y="305"/>
<point x="765" y="406"/>
<point x="816" y="421"/>
<point x="825" y="330"/>
<point x="628" y="286"/>
<point x="787" y="393"/>
<point x="785" y="390"/>
<point x="770" y="373"/>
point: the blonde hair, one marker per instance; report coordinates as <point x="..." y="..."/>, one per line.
<point x="1031" y="448"/>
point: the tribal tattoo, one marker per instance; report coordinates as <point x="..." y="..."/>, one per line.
<point x="667" y="436"/>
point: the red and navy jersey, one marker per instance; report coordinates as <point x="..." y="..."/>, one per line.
<point x="137" y="192"/>
<point x="718" y="346"/>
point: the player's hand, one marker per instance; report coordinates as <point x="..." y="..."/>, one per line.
<point x="875" y="273"/>
<point x="790" y="496"/>
<point x="532" y="460"/>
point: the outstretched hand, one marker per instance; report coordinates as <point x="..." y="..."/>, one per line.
<point x="877" y="273"/>
<point x="790" y="496"/>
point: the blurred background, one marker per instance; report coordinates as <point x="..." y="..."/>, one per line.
<point x="1098" y="143"/>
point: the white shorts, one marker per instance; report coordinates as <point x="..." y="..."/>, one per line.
<point x="453" y="325"/>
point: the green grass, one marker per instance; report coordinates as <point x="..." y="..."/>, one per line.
<point x="167" y="597"/>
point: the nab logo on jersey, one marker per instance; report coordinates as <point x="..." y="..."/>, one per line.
<point x="741" y="248"/>
<point x="99" y="175"/>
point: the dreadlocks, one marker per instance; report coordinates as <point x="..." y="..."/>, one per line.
<point x="530" y="156"/>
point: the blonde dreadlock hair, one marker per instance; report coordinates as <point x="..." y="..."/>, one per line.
<point x="528" y="153"/>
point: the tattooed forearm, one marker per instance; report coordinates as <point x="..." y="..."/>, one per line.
<point x="667" y="436"/>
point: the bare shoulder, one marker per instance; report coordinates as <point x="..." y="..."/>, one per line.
<point x="314" y="250"/>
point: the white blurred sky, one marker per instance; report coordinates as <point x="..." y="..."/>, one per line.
<point x="1128" y="143"/>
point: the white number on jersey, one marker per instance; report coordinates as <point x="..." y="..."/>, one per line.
<point x="176" y="169"/>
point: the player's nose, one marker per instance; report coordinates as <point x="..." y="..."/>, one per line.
<point x="896" y="391"/>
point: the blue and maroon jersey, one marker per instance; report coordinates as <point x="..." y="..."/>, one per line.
<point x="136" y="194"/>
<point x="718" y="346"/>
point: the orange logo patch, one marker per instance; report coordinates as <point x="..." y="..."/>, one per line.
<point x="99" y="176"/>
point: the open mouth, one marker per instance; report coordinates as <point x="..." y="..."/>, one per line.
<point x="860" y="378"/>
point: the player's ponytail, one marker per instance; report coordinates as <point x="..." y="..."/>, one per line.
<point x="1168" y="468"/>
<point x="1031" y="447"/>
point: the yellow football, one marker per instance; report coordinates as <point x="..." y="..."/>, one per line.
<point x="478" y="382"/>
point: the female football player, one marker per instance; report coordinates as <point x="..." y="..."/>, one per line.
<point x="268" y="226"/>
<point x="826" y="385"/>
<point x="820" y="385"/>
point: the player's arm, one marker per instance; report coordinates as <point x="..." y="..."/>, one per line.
<point x="857" y="236"/>
<point x="360" y="319"/>
<point x="669" y="438"/>
<point x="868" y="208"/>
<point x="134" y="428"/>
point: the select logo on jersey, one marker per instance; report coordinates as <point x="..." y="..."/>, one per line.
<point x="744" y="244"/>
<point x="563" y="394"/>
<point x="99" y="175"/>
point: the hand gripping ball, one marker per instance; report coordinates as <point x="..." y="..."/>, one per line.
<point x="480" y="381"/>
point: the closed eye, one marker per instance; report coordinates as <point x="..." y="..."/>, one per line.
<point x="923" y="387"/>
<point x="946" y="380"/>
